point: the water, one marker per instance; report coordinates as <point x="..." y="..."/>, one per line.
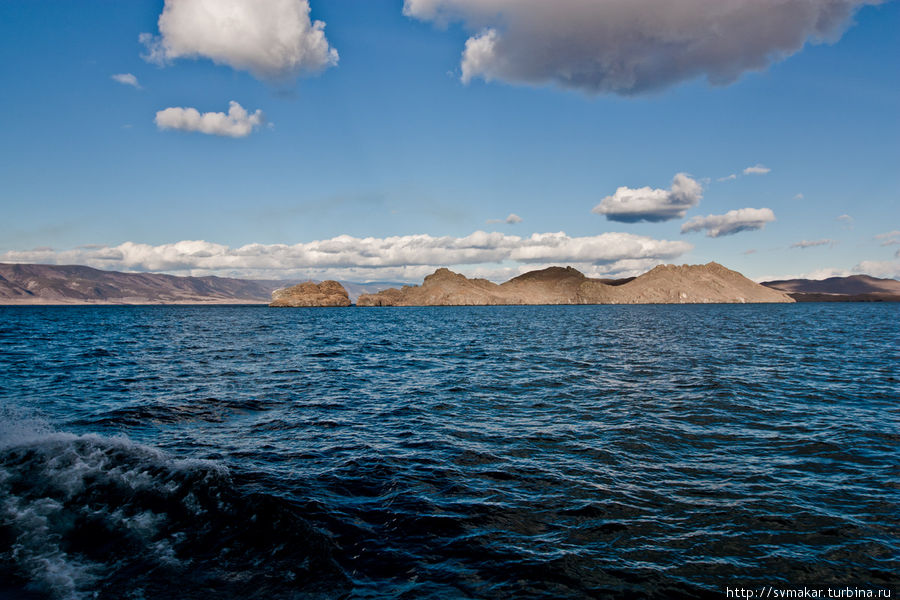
<point x="477" y="452"/>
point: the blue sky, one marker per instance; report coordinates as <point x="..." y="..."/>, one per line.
<point x="385" y="164"/>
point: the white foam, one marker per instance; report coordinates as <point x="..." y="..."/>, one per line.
<point x="59" y="467"/>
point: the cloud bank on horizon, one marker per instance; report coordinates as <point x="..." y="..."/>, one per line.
<point x="377" y="258"/>
<point x="631" y="47"/>
<point x="273" y="40"/>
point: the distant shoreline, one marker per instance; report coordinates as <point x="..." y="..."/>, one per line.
<point x="74" y="285"/>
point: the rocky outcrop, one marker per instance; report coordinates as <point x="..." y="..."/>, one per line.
<point x="441" y="288"/>
<point x="327" y="293"/>
<point x="665" y="284"/>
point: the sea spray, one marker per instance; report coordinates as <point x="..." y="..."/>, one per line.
<point x="86" y="516"/>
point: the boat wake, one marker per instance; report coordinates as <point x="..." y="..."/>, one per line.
<point x="90" y="516"/>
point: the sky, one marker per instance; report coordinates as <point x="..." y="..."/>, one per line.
<point x="377" y="140"/>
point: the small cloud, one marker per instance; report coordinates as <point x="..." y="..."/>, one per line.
<point x="814" y="243"/>
<point x="731" y="177"/>
<point x="630" y="205"/>
<point x="734" y="221"/>
<point x="126" y="79"/>
<point x="750" y="251"/>
<point x="757" y="170"/>
<point x="847" y="220"/>
<point x="127" y="126"/>
<point x="798" y="196"/>
<point x="891" y="238"/>
<point x="512" y="219"/>
<point x="237" y="123"/>
<point x="273" y="40"/>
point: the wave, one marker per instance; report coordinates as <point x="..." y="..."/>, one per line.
<point x="85" y="516"/>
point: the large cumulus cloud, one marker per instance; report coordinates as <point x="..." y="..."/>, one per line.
<point x="632" y="46"/>
<point x="630" y="205"/>
<point x="272" y="39"/>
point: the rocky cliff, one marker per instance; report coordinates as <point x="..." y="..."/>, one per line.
<point x="327" y="293"/>
<point x="665" y="284"/>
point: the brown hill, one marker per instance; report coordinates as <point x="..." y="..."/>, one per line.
<point x="53" y="284"/>
<point x="327" y="293"/>
<point x="685" y="284"/>
<point x="667" y="284"/>
<point x="853" y="285"/>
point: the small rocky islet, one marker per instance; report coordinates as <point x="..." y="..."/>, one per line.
<point x="327" y="293"/>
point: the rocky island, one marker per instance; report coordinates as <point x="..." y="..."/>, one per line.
<point x="327" y="293"/>
<point x="665" y="284"/>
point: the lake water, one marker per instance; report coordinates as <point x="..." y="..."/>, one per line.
<point x="472" y="452"/>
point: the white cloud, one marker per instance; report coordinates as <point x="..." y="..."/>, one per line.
<point x="648" y="204"/>
<point x="817" y="274"/>
<point x="731" y="177"/>
<point x="632" y="46"/>
<point x="798" y="196"/>
<point x="757" y="170"/>
<point x="847" y="220"/>
<point x="889" y="239"/>
<point x="126" y="79"/>
<point x="814" y="243"/>
<point x="512" y="219"/>
<point x="272" y="39"/>
<point x="347" y="257"/>
<point x="237" y="123"/>
<point x="875" y="268"/>
<point x="734" y="221"/>
<point x="879" y="268"/>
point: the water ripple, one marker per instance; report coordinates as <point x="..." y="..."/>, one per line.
<point x="486" y="452"/>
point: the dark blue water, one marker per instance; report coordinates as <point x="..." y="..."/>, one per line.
<point x="495" y="452"/>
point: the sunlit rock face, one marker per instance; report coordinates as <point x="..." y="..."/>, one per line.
<point x="665" y="284"/>
<point x="327" y="293"/>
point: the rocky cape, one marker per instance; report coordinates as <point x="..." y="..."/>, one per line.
<point x="327" y="293"/>
<point x="665" y="284"/>
<point x="855" y="288"/>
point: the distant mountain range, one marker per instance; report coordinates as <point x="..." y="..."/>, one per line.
<point x="52" y="284"/>
<point x="856" y="288"/>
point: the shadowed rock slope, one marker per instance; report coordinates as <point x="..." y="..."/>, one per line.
<point x="327" y="293"/>
<point x="55" y="284"/>
<point x="665" y="284"/>
<point x="855" y="288"/>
